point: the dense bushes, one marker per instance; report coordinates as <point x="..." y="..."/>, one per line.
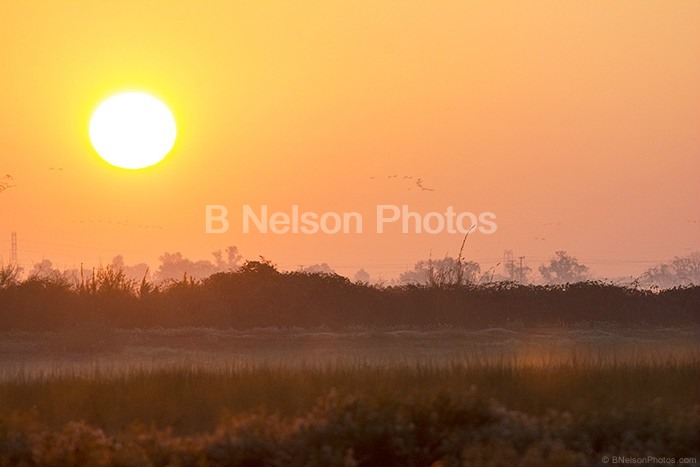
<point x="442" y="430"/>
<point x="258" y="295"/>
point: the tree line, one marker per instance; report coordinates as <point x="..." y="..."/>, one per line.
<point x="257" y="294"/>
<point x="562" y="268"/>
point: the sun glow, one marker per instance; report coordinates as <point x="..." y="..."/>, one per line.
<point x="132" y="130"/>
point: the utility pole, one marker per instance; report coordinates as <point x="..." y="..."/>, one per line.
<point x="520" y="271"/>
<point x="13" y="249"/>
<point x="509" y="264"/>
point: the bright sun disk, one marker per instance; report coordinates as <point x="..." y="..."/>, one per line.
<point x="132" y="130"/>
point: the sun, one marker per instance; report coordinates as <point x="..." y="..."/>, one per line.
<point x="132" y="130"/>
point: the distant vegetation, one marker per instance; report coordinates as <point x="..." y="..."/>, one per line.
<point x="682" y="270"/>
<point x="256" y="294"/>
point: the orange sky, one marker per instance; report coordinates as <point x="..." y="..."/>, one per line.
<point x="582" y="114"/>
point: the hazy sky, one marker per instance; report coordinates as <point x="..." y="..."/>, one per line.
<point x="577" y="123"/>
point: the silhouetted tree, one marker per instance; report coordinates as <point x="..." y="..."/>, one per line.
<point x="563" y="269"/>
<point x="361" y="276"/>
<point x="681" y="271"/>
<point x="687" y="268"/>
<point x="137" y="271"/>
<point x="44" y="270"/>
<point x="232" y="262"/>
<point x="322" y="268"/>
<point x="174" y="266"/>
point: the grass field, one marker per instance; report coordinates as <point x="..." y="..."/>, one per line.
<point x="443" y="396"/>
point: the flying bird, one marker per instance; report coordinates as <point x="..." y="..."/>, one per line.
<point x="419" y="184"/>
<point x="5" y="182"/>
<point x="125" y="224"/>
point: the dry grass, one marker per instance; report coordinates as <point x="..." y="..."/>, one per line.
<point x="569" y="412"/>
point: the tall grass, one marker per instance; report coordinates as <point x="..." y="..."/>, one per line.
<point x="566" y="413"/>
<point x="190" y="398"/>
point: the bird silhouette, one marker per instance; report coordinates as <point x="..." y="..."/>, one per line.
<point x="5" y="182"/>
<point x="124" y="223"/>
<point x="419" y="184"/>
